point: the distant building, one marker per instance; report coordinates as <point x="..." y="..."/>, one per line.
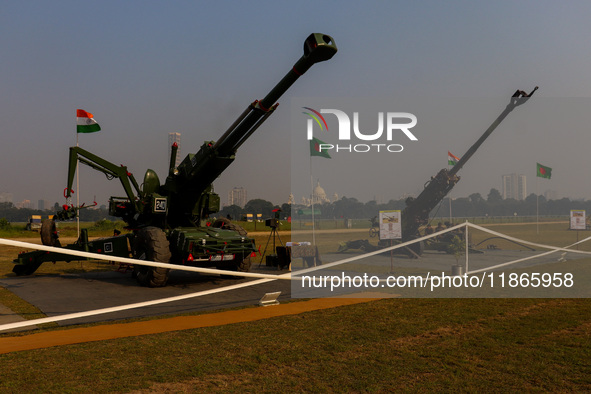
<point x="237" y="196"/>
<point x="172" y="138"/>
<point x="44" y="204"/>
<point x="514" y="186"/>
<point x="319" y="195"/>
<point x="24" y="204"/>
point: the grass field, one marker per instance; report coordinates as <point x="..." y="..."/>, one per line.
<point x="386" y="345"/>
<point x="473" y="345"/>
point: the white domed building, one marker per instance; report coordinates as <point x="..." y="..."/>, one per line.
<point x="319" y="194"/>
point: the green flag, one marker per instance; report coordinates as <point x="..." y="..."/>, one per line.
<point x="315" y="148"/>
<point x="543" y="171"/>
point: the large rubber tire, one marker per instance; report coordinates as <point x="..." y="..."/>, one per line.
<point x="151" y="244"/>
<point x="49" y="235"/>
<point x="228" y="225"/>
<point x="243" y="264"/>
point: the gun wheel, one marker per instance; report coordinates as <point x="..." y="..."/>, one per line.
<point x="226" y="224"/>
<point x="151" y="244"/>
<point x="49" y="236"/>
<point x="243" y="264"/>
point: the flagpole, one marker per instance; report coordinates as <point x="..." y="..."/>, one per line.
<point x="77" y="191"/>
<point x="537" y="206"/>
<point x="450" y="216"/>
<point x="312" y="201"/>
<point x="85" y="123"/>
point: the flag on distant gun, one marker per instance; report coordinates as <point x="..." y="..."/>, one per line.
<point x="315" y="149"/>
<point x="85" y="122"/>
<point x="543" y="171"/>
<point x="452" y="159"/>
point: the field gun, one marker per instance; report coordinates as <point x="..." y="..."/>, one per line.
<point x="167" y="219"/>
<point x="416" y="213"/>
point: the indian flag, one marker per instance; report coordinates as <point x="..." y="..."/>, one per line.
<point x="452" y="159"/>
<point x="85" y="122"/>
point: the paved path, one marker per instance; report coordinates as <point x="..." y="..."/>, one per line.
<point x="8" y="316"/>
<point x="56" y="294"/>
<point x="111" y="331"/>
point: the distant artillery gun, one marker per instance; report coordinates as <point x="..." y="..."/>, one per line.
<point x="416" y="213"/>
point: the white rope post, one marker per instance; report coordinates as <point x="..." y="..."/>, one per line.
<point x="466" y="235"/>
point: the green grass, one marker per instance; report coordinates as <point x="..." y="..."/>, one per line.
<point x="101" y="228"/>
<point x="15" y="303"/>
<point x="466" y="345"/>
<point x="386" y="345"/>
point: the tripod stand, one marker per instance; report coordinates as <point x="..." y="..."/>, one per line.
<point x="274" y="224"/>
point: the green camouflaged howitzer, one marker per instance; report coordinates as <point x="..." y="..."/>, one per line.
<point x="167" y="219"/>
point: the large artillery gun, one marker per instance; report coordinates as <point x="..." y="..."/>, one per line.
<point x="416" y="213"/>
<point x="168" y="220"/>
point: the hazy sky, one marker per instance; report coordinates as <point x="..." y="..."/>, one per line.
<point x="145" y="69"/>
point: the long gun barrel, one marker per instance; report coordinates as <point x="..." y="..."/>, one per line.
<point x="196" y="173"/>
<point x="317" y="48"/>
<point x="417" y="209"/>
<point x="518" y="98"/>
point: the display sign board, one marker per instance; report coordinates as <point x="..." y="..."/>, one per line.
<point x="577" y="219"/>
<point x="390" y="225"/>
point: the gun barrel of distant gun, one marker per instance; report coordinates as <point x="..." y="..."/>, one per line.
<point x="518" y="98"/>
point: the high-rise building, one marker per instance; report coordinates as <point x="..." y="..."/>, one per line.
<point x="44" y="204"/>
<point x="237" y="196"/>
<point x="514" y="186"/>
<point x="172" y="138"/>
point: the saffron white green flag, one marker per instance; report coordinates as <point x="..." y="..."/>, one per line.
<point x="452" y="159"/>
<point x="85" y="122"/>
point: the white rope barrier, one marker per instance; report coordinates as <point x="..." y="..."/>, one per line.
<point x="553" y="249"/>
<point x="369" y="254"/>
<point x="262" y="278"/>
<point x="126" y="260"/>
<point x="52" y="319"/>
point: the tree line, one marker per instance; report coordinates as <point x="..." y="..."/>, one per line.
<point x="351" y="208"/>
<point x="13" y="214"/>
<point x="473" y="205"/>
